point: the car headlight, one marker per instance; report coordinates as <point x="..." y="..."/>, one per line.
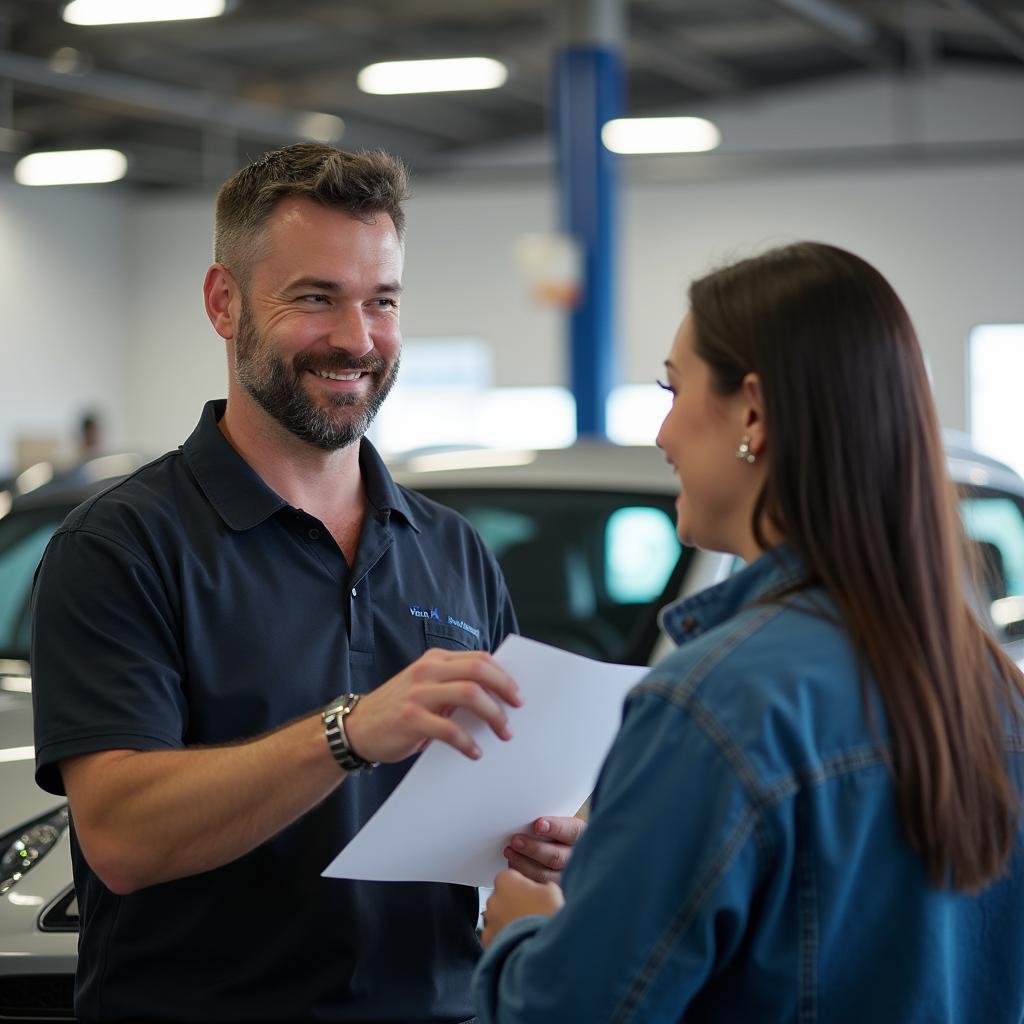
<point x="21" y="850"/>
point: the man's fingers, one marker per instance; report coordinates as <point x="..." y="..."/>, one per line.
<point x="436" y="727"/>
<point x="440" y="666"/>
<point x="472" y="697"/>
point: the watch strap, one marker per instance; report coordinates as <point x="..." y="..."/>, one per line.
<point x="333" y="717"/>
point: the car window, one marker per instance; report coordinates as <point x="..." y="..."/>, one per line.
<point x="587" y="570"/>
<point x="641" y="550"/>
<point x="23" y="538"/>
<point x="994" y="521"/>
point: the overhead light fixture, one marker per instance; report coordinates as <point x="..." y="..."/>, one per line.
<point x="456" y="74"/>
<point x="660" y="135"/>
<point x="71" y="167"/>
<point x="131" y="12"/>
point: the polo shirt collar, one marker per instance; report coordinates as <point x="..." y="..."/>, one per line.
<point x="381" y="490"/>
<point x="687" y="618"/>
<point x="241" y="497"/>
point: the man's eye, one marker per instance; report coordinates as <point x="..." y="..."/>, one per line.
<point x="386" y="303"/>
<point x="316" y="300"/>
<point x="665" y="387"/>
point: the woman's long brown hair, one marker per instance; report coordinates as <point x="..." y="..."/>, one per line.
<point x="857" y="483"/>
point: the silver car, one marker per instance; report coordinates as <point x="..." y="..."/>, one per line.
<point x="586" y="539"/>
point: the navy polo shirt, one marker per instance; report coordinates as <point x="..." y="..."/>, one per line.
<point x="190" y="604"/>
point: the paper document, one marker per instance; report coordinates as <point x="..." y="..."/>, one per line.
<point x="450" y="818"/>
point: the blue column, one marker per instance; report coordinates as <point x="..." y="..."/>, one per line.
<point x="588" y="82"/>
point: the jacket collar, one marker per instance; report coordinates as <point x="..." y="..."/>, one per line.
<point x="241" y="497"/>
<point x="689" y="617"/>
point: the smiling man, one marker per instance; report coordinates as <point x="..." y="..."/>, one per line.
<point x="230" y="674"/>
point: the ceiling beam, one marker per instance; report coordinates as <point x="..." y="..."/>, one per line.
<point x="675" y="59"/>
<point x="850" y="31"/>
<point x="995" y="24"/>
<point x="834" y="18"/>
<point x="176" y="104"/>
<point x="196" y="108"/>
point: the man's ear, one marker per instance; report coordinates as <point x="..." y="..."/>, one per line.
<point x="219" y="292"/>
<point x="752" y="410"/>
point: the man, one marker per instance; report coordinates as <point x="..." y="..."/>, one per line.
<point x="192" y="622"/>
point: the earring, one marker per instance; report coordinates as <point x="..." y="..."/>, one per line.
<point x="744" y="452"/>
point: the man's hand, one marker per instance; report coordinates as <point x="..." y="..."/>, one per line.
<point x="515" y="896"/>
<point x="402" y="716"/>
<point x="542" y="856"/>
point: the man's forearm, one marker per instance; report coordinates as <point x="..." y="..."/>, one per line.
<point x="153" y="816"/>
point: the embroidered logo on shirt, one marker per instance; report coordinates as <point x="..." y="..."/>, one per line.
<point x="422" y="613"/>
<point x="419" y="612"/>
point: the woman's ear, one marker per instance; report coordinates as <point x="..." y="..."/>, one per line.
<point x="752" y="410"/>
<point x="218" y="293"/>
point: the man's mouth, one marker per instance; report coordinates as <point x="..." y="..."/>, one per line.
<point x="328" y="375"/>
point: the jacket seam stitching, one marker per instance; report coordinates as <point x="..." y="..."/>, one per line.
<point x="632" y="1001"/>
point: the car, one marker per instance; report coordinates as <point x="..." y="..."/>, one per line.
<point x="586" y="539"/>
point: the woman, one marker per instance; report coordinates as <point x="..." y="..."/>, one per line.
<point x="811" y="812"/>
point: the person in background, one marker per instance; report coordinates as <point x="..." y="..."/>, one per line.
<point x="824" y="780"/>
<point x="239" y="648"/>
<point x="90" y="435"/>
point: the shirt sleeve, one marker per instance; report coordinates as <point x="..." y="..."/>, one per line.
<point x="106" y="662"/>
<point x="505" y="623"/>
<point x="657" y="891"/>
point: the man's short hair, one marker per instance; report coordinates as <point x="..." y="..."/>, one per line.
<point x="362" y="184"/>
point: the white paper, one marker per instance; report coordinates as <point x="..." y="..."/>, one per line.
<point x="450" y="818"/>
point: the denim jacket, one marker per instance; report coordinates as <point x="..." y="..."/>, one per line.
<point x="745" y="859"/>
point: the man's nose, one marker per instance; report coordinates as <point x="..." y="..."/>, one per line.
<point x="350" y="332"/>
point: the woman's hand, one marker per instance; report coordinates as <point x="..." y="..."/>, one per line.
<point x="543" y="855"/>
<point x="515" y="896"/>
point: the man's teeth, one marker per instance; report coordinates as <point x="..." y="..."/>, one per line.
<point x="340" y="376"/>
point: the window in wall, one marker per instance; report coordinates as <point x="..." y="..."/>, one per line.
<point x="995" y="371"/>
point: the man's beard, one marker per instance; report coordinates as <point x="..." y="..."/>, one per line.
<point x="280" y="389"/>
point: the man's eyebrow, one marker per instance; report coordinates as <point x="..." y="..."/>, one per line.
<point x="670" y="365"/>
<point x="315" y="283"/>
<point x="385" y="288"/>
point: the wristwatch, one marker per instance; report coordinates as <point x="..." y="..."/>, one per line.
<point x="334" y="729"/>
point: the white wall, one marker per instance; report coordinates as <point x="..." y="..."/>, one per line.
<point x="63" y="292"/>
<point x="173" y="358"/>
<point x="950" y="241"/>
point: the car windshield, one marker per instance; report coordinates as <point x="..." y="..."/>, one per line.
<point x="587" y="570"/>
<point x="23" y="538"/>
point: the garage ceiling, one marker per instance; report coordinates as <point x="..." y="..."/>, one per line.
<point x="188" y="101"/>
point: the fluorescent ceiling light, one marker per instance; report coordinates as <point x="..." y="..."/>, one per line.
<point x="128" y="12"/>
<point x="453" y="75"/>
<point x="71" y="167"/>
<point x="660" y="135"/>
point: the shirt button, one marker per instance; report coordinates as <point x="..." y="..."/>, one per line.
<point x="314" y="534"/>
<point x="353" y="591"/>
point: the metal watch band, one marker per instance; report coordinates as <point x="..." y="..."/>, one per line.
<point x="334" y="729"/>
